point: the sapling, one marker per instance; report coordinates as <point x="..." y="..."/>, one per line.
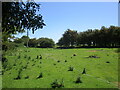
<point x="40" y="76"/>
<point x="84" y="71"/>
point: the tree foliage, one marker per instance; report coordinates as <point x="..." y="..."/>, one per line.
<point x="18" y="16"/>
<point x="25" y="39"/>
<point x="69" y="38"/>
<point x="46" y="43"/>
<point x="104" y="37"/>
<point x="32" y="42"/>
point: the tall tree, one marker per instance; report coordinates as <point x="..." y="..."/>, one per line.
<point x="69" y="38"/>
<point x="60" y="42"/>
<point x="45" y="43"/>
<point x="19" y="16"/>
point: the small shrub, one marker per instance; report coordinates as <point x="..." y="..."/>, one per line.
<point x="29" y="58"/>
<point x="78" y="80"/>
<point x="18" y="77"/>
<point x="26" y="77"/>
<point x="107" y="62"/>
<point x="93" y="56"/>
<point x="40" y="57"/>
<point x="65" y="60"/>
<point x="40" y="76"/>
<point x="54" y="64"/>
<point x="70" y="68"/>
<point x="58" y="61"/>
<point x="74" y="54"/>
<point x="57" y="84"/>
<point x="84" y="71"/>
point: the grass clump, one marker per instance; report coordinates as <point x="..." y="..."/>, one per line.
<point x="57" y="84"/>
<point x="70" y="68"/>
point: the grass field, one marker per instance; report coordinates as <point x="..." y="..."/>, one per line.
<point x="46" y="67"/>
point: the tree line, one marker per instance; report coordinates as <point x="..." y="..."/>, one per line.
<point x="33" y="42"/>
<point x="104" y="37"/>
<point x="17" y="17"/>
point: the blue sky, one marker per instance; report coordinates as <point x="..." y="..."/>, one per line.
<point x="80" y="16"/>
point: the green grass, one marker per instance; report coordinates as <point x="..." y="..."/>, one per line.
<point x="99" y="74"/>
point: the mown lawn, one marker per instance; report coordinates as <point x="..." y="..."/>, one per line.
<point x="101" y="72"/>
